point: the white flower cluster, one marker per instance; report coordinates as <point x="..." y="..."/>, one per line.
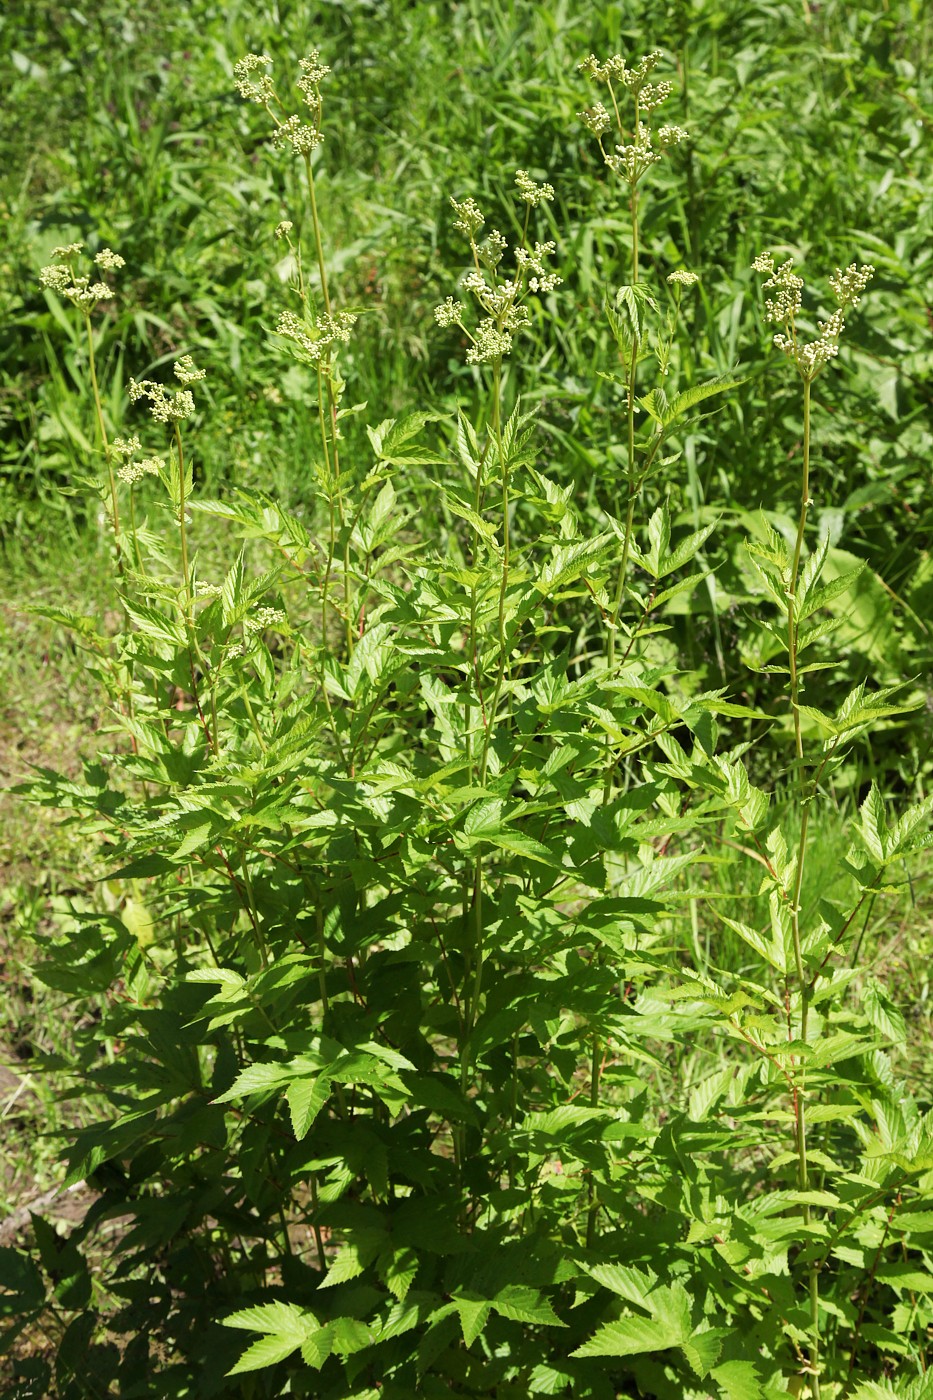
<point x="293" y="132"/>
<point x="312" y="342"/>
<point x="186" y="371"/>
<point x="596" y="119"/>
<point x="61" y="277"/>
<point x="264" y="618"/>
<point x="313" y="73"/>
<point x="848" y="286"/>
<point x="631" y="158"/>
<point x="681" y="278"/>
<point x="125" y="447"/>
<point x="165" y="405"/>
<point x="252" y="82"/>
<point x="532" y="193"/>
<point x="283" y="229"/>
<point x="782" y="307"/>
<point x="500" y="300"/>
<point x="470" y="218"/>
<point x="653" y="94"/>
<point x="131" y="472"/>
<point x="616" y="69"/>
<point x="255" y="84"/>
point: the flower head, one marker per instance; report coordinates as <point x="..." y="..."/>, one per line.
<point x="848" y="286"/>
<point x="61" y="277"/>
<point x="499" y="296"/>
<point x="294" y="133"/>
<point x="253" y="83"/>
<point x="312" y="341"/>
<point x="681" y="278"/>
<point x="532" y="193"/>
<point x="470" y="218"/>
<point x="449" y="313"/>
<point x="596" y="119"/>
<point x="639" y="147"/>
<point x="313" y="73"/>
<point x="125" y="447"/>
<point x="186" y="372"/>
<point x="164" y="406"/>
<point x="782" y="308"/>
<point x="131" y="472"/>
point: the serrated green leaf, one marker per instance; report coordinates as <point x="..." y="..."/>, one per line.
<point x="306" y="1098"/>
<point x="738" y="1380"/>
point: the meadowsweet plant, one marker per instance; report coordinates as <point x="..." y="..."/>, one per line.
<point x="793" y="1010"/>
<point x="411" y="1080"/>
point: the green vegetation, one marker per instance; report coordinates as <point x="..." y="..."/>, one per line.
<point x="466" y="670"/>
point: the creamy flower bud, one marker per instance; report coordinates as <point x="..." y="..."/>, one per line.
<point x="252" y="83"/>
<point x="532" y="193"/>
<point x="186" y="372"/>
<point x="125" y="447"/>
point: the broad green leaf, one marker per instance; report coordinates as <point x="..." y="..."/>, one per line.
<point x="474" y="1314"/>
<point x="738" y="1380"/>
<point x="306" y="1098"/>
<point x="669" y="1326"/>
<point x="524" y="1304"/>
<point x="267" y="1351"/>
<point x="698" y="393"/>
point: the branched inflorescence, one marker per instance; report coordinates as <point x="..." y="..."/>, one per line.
<point x="254" y="84"/>
<point x="166" y="405"/>
<point x="639" y="146"/>
<point x="133" y="469"/>
<point x="61" y="276"/>
<point x="312" y="341"/>
<point x="501" y="300"/>
<point x="783" y="306"/>
<point x="311" y="338"/>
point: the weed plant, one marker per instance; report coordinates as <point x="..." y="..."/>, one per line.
<point x="397" y="1008"/>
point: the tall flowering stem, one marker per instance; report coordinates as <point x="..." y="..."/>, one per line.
<point x="314" y="336"/>
<point x="503" y="312"/>
<point x="629" y="146"/>
<point x="782" y="308"/>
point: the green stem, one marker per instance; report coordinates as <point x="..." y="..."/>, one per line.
<point x="105" y="441"/>
<point x="472" y="1003"/>
<point x="331" y="399"/>
<point x="633" y="206"/>
<point x="181" y="518"/>
<point x="595" y="1078"/>
<point x="804" y="798"/>
<point x="632" y="493"/>
<point x="136" y="550"/>
<point x="504" y="584"/>
<point x="318" y="242"/>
